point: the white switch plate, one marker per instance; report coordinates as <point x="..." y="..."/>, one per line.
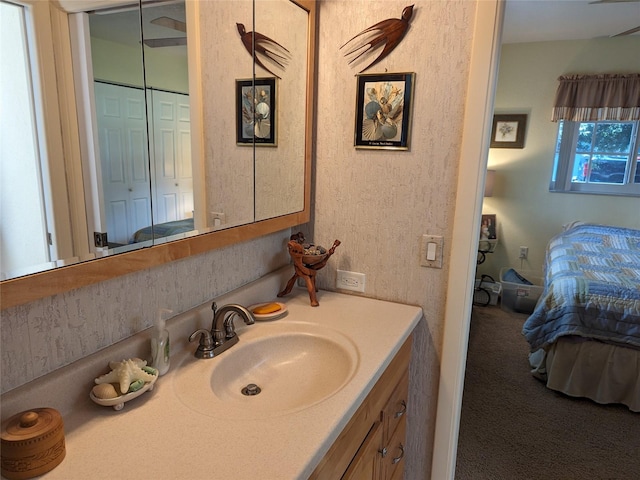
<point x="218" y="218"/>
<point x="353" y="281"/>
<point x="424" y="248"/>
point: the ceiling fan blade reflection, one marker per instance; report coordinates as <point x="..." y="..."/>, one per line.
<point x="165" y="42"/>
<point x="170" y="23"/>
<point x="627" y="32"/>
<point x="596" y="2"/>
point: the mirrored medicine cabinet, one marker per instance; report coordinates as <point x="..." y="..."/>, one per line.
<point x="157" y="171"/>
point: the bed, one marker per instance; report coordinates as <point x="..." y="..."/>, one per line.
<point x="161" y="230"/>
<point x="584" y="332"/>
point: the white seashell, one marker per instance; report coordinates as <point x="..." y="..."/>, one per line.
<point x="371" y="129"/>
<point x="125" y="373"/>
<point x="104" y="391"/>
<point x="263" y="110"/>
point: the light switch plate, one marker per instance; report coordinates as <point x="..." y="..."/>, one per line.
<point x="424" y="247"/>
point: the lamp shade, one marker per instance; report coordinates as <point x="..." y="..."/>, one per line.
<point x="488" y="183"/>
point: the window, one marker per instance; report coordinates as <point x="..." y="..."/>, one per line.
<point x="597" y="149"/>
<point x="601" y="157"/>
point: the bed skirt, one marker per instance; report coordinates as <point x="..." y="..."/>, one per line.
<point x="600" y="371"/>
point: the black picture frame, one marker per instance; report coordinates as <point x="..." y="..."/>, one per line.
<point x="256" y="114"/>
<point x="383" y="110"/>
<point x="488" y="227"/>
<point x="508" y="131"/>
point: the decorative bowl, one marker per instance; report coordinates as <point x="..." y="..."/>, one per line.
<point x="313" y="259"/>
<point x="118" y="402"/>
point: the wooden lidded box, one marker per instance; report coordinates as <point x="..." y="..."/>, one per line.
<point x="32" y="443"/>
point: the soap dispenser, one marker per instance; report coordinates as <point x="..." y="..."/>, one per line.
<point x="160" y="342"/>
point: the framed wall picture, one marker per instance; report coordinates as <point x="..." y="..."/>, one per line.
<point x="488" y="227"/>
<point x="508" y="131"/>
<point x="256" y="112"/>
<point x="383" y="110"/>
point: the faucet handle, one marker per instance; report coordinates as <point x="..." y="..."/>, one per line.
<point x="205" y="348"/>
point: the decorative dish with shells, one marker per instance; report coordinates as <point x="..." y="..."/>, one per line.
<point x="133" y="377"/>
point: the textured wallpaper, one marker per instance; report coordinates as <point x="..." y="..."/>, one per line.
<point x="379" y="202"/>
<point x="52" y="332"/>
<point x="231" y="170"/>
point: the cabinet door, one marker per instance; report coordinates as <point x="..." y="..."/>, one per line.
<point x="392" y="464"/>
<point x="366" y="464"/>
<point x="356" y="452"/>
<point x="394" y="429"/>
<point x="394" y="411"/>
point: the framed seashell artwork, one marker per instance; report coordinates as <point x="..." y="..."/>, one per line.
<point x="383" y="110"/>
<point x="256" y="112"/>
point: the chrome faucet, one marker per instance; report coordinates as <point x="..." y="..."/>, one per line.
<point x="223" y="334"/>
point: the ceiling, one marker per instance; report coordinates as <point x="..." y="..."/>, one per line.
<point x="525" y="20"/>
<point x="122" y="25"/>
<point x="547" y="20"/>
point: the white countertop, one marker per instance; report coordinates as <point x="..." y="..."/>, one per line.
<point x="158" y="436"/>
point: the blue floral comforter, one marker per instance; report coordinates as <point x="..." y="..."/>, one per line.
<point x="592" y="287"/>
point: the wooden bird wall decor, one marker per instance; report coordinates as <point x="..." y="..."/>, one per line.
<point x="389" y="33"/>
<point x="265" y="49"/>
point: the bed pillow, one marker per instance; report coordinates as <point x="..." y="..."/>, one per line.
<point x="570" y="225"/>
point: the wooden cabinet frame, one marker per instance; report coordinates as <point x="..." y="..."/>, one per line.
<point x="356" y="442"/>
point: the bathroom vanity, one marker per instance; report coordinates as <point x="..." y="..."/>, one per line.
<point x="344" y="415"/>
<point x="372" y="445"/>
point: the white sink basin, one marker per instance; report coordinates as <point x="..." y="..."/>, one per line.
<point x="295" y="364"/>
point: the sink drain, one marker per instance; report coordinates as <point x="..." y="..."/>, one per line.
<point x="251" y="389"/>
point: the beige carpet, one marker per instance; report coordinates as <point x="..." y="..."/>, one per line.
<point x="513" y="427"/>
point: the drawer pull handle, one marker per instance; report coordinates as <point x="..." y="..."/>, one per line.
<point x="397" y="459"/>
<point x="383" y="452"/>
<point x="401" y="412"/>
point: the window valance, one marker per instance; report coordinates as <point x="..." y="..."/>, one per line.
<point x="584" y="98"/>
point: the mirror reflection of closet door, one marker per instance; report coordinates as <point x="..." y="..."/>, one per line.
<point x="143" y="125"/>
<point x="169" y="128"/>
<point x="122" y="127"/>
<point x="164" y="41"/>
<point x="116" y="162"/>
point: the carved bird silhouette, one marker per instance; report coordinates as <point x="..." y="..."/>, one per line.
<point x="391" y="32"/>
<point x="263" y="46"/>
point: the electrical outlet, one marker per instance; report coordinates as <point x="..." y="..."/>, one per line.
<point x="350" y="281"/>
<point x="524" y="253"/>
<point x="218" y="218"/>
